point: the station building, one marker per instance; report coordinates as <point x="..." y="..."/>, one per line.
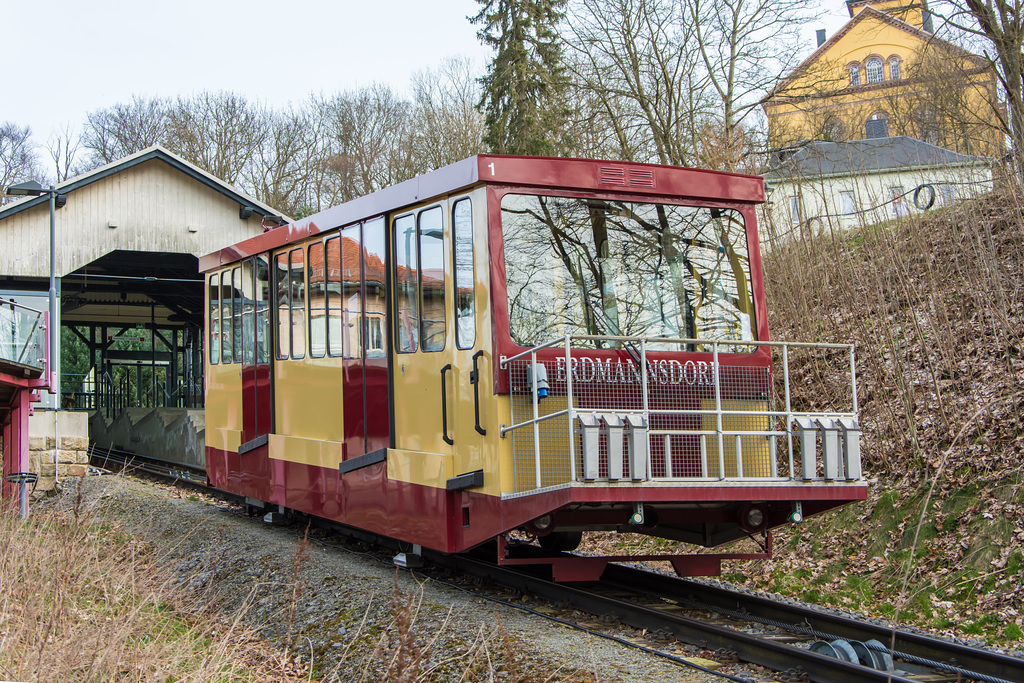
<point x="130" y="307"/>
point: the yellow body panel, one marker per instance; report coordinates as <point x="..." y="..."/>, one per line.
<point x="315" y="452"/>
<point x="756" y="450"/>
<point x="415" y="467"/>
<point x="223" y="400"/>
<point x="224" y="439"/>
<point x="504" y="449"/>
<point x="308" y="398"/>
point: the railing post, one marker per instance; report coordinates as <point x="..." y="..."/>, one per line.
<point x="789" y="410"/>
<point x="536" y="414"/>
<point x="717" y="374"/>
<point x="569" y="405"/>
<point x="646" y="405"/>
<point x="853" y="379"/>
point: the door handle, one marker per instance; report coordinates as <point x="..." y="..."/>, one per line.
<point x="474" y="379"/>
<point x="444" y="407"/>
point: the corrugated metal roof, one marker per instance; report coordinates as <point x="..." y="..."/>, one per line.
<point x="819" y="158"/>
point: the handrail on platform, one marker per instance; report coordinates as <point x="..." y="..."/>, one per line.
<point x="635" y="424"/>
<point x="22" y="334"/>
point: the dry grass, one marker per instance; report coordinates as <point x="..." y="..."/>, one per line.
<point x="82" y="601"/>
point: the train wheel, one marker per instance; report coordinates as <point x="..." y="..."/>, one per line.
<point x="564" y="541"/>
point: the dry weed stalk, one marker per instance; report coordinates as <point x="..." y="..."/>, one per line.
<point x="298" y="584"/>
<point x="83" y="600"/>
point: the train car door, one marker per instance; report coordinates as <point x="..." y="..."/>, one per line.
<point x="436" y="340"/>
<point x="422" y="367"/>
<point x="471" y="388"/>
<point x="257" y="399"/>
<point x="375" y="366"/>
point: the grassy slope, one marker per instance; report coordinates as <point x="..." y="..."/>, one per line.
<point x="935" y="305"/>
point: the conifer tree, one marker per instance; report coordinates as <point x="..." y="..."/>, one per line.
<point x="524" y="88"/>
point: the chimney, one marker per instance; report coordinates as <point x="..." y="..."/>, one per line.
<point x="821" y="37"/>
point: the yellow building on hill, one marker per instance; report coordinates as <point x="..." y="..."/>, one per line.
<point x="885" y="74"/>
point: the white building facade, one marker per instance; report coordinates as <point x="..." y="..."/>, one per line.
<point x="824" y="186"/>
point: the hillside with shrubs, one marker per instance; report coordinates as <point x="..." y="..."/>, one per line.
<point x="935" y="306"/>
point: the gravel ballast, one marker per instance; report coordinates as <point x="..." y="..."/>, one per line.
<point x="350" y="612"/>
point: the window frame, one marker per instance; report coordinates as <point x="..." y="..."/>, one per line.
<point x="411" y="254"/>
<point x="282" y="276"/>
<point x="226" y="340"/>
<point x="423" y="323"/>
<point x="877" y="116"/>
<point x="335" y="347"/>
<point x="848" y="202"/>
<point x="296" y="353"/>
<point x="262" y="355"/>
<point x="213" y="296"/>
<point x="461" y="343"/>
<point x="897" y="74"/>
<point x="309" y="298"/>
<point x="853" y="73"/>
<point x="248" y="318"/>
<point x="872" y="75"/>
<point x="796" y="209"/>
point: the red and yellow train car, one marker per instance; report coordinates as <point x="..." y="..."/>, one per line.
<point x="534" y="344"/>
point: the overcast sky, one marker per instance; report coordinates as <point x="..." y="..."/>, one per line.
<point x="84" y="56"/>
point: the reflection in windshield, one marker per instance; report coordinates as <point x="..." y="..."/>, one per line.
<point x="593" y="266"/>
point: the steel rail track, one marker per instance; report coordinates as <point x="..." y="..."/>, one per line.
<point x="747" y="647"/>
<point x="921" y="649"/>
<point x="133" y="463"/>
<point x="968" y="663"/>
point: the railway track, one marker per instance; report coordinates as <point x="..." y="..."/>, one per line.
<point x="786" y="638"/>
<point x="682" y="608"/>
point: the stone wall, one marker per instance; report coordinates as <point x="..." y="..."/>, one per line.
<point x="58" y="446"/>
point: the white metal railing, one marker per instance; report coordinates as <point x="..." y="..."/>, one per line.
<point x="641" y="420"/>
<point x="22" y="334"/>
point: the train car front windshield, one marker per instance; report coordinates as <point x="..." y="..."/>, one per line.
<point x="586" y="266"/>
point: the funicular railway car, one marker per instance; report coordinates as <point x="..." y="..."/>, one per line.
<point x="533" y="345"/>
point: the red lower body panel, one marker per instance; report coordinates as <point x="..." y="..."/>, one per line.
<point x="454" y="521"/>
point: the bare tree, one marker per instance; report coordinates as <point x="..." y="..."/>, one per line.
<point x="746" y="46"/>
<point x="17" y="157"/>
<point x="219" y="132"/>
<point x="124" y="129"/>
<point x="282" y="167"/>
<point x="449" y="127"/>
<point x="63" y="147"/>
<point x="636" y="70"/>
<point x="1000" y="24"/>
<point x="369" y="140"/>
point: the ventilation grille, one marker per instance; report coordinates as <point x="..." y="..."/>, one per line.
<point x="621" y="177"/>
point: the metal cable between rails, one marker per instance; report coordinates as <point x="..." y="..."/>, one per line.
<point x="830" y="636"/>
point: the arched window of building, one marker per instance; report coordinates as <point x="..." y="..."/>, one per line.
<point x="832" y="130"/>
<point x="928" y="124"/>
<point x="877" y="126"/>
<point x="854" y="70"/>
<point x="874" y="70"/>
<point x="895" y="73"/>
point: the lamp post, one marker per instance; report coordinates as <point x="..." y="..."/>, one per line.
<point x="32" y="188"/>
